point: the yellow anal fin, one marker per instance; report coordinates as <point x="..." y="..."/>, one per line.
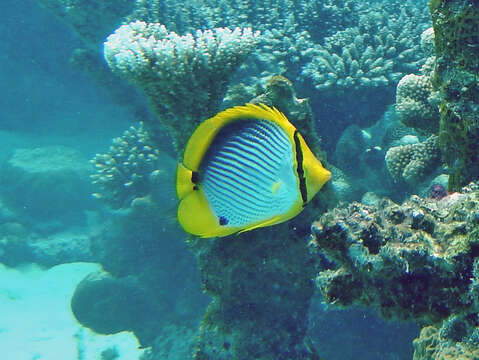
<point x="275" y="220"/>
<point x="195" y="217"/>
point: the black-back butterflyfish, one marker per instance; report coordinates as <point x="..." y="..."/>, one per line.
<point x="245" y="168"/>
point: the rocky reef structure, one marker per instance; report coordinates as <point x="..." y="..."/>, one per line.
<point x="143" y="260"/>
<point x="184" y="77"/>
<point x="47" y="185"/>
<point x="279" y="92"/>
<point x="456" y="28"/>
<point x="415" y="261"/>
<point x="261" y="290"/>
<point x="241" y="321"/>
<point x="412" y="162"/>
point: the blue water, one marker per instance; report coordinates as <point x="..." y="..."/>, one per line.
<point x="48" y="217"/>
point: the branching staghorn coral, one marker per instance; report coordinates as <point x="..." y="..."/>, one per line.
<point x="376" y="53"/>
<point x="316" y="17"/>
<point x="412" y="162"/>
<point x="184" y="77"/>
<point x="324" y="18"/>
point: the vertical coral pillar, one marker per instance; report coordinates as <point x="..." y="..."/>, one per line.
<point x="261" y="281"/>
<point x="456" y="28"/>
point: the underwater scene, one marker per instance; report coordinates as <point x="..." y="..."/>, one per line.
<point x="239" y="180"/>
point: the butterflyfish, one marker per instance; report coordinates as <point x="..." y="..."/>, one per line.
<point x="245" y="168"/>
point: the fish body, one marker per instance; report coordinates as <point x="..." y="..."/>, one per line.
<point x="245" y="168"/>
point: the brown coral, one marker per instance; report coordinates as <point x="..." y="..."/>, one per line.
<point x="412" y="162"/>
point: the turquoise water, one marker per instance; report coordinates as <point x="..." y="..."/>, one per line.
<point x="82" y="278"/>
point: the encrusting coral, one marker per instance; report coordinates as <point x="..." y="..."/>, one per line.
<point x="415" y="261"/>
<point x="412" y="162"/>
<point x="456" y="29"/>
<point x="184" y="77"/>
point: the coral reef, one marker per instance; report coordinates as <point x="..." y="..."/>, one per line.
<point x="434" y="344"/>
<point x="125" y="172"/>
<point x="412" y="162"/>
<point x="318" y="18"/>
<point x="261" y="290"/>
<point x="324" y="18"/>
<point x="104" y="304"/>
<point x="20" y="245"/>
<point x="417" y="100"/>
<point x="456" y="29"/>
<point x="184" y="77"/>
<point x="259" y="283"/>
<point x="417" y="103"/>
<point x="413" y="261"/>
<point x="363" y="62"/>
<point x="394" y="134"/>
<point x="367" y="55"/>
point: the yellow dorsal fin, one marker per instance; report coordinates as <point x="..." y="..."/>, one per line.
<point x="204" y="134"/>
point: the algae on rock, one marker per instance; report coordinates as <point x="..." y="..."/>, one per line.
<point x="456" y="28"/>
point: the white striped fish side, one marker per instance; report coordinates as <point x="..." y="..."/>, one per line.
<point x="238" y="175"/>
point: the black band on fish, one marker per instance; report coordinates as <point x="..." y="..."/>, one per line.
<point x="195" y="177"/>
<point x="300" y="170"/>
